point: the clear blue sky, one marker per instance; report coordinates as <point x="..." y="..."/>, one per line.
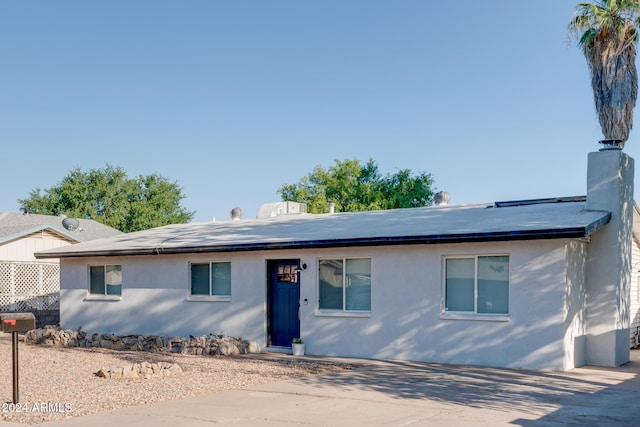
<point x="233" y="99"/>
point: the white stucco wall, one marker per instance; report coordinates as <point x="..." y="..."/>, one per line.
<point x="575" y="305"/>
<point x="406" y="303"/>
<point x="154" y="298"/>
<point x="406" y="321"/>
<point x="609" y="188"/>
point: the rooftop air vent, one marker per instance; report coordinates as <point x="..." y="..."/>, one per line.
<point x="236" y="214"/>
<point x="441" y="198"/>
<point x="269" y="210"/>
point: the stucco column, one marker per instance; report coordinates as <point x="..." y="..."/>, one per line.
<point x="608" y="275"/>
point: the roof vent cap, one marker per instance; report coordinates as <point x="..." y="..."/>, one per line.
<point x="441" y="198"/>
<point x="236" y="214"/>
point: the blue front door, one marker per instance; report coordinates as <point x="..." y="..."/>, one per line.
<point x="284" y="302"/>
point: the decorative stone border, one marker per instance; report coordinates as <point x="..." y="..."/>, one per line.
<point x="205" y="345"/>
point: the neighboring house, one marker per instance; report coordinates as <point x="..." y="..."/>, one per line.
<point x="540" y="284"/>
<point x="27" y="284"/>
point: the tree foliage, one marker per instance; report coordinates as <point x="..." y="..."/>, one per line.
<point x="607" y="32"/>
<point x="353" y="186"/>
<point x="110" y="197"/>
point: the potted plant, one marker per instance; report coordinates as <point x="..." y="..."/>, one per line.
<point x="297" y="346"/>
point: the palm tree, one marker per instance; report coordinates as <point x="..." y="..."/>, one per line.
<point x="607" y="32"/>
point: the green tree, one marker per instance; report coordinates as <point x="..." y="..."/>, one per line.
<point x="110" y="197"/>
<point x="607" y="32"/>
<point x="359" y="187"/>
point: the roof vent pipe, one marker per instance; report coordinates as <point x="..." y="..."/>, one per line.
<point x="332" y="208"/>
<point x="236" y="214"/>
<point x="441" y="198"/>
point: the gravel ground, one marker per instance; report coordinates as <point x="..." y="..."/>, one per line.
<point x="56" y="383"/>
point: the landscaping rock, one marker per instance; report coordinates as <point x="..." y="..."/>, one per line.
<point x="204" y="345"/>
<point x="140" y="370"/>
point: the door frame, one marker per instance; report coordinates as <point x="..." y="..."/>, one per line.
<point x="270" y="270"/>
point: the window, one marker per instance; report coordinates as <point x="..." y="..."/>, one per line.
<point x="287" y="274"/>
<point x="211" y="279"/>
<point x="345" y="284"/>
<point x="105" y="280"/>
<point x="477" y="284"/>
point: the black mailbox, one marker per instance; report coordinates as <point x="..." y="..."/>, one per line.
<point x="14" y="323"/>
<point x="17" y="322"/>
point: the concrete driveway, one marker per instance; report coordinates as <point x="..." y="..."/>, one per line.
<point x="388" y="393"/>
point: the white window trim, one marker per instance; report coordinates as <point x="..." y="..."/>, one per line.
<point x="101" y="297"/>
<point x="486" y="317"/>
<point x="466" y="315"/>
<point x="96" y="297"/>
<point x="339" y="313"/>
<point x="319" y="312"/>
<point x="206" y="298"/>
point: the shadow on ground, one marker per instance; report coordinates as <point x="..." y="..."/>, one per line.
<point x="589" y="395"/>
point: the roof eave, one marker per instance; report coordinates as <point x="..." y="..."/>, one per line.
<point x="31" y="230"/>
<point x="566" y="233"/>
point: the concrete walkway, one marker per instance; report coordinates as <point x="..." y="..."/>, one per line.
<point x="387" y="393"/>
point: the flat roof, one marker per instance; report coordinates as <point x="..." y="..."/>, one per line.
<point x="525" y="220"/>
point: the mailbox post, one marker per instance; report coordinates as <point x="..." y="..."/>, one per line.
<point x="14" y="323"/>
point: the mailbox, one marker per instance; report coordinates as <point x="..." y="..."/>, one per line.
<point x="14" y="323"/>
<point x="17" y="322"/>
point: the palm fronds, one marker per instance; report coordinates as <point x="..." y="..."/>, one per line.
<point x="607" y="32"/>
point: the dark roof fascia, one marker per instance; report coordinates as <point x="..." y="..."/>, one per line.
<point x="566" y="233"/>
<point x="526" y="202"/>
<point x="597" y="225"/>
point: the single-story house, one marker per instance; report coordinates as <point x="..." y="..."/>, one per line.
<point x="28" y="284"/>
<point x="540" y="284"/>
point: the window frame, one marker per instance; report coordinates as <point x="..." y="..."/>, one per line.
<point x="208" y="297"/>
<point x="473" y="315"/>
<point x="104" y="296"/>
<point x="342" y="312"/>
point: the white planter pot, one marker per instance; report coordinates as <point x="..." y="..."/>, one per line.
<point x="298" y="349"/>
